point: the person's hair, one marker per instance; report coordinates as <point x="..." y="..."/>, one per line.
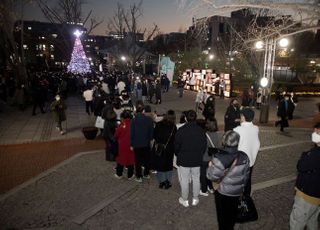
<point x="139" y="106"/>
<point x="212" y="125"/>
<point x="191" y="116"/>
<point x="248" y="114"/>
<point x="126" y="114"/>
<point x="317" y="126"/>
<point x="117" y="103"/>
<point x="232" y="100"/>
<point x="230" y="139"/>
<point x="183" y="118"/>
<point x="170" y="117"/>
<point x="202" y="123"/>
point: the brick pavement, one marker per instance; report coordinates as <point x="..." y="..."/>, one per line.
<point x="21" y="162"/>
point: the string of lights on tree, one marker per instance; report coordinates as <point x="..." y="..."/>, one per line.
<point x="79" y="63"/>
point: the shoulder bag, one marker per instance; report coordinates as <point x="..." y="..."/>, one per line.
<point x="159" y="148"/>
<point x="212" y="149"/>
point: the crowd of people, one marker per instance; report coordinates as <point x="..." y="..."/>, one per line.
<point x="141" y="142"/>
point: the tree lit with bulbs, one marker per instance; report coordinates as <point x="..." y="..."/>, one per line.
<point x="79" y="63"/>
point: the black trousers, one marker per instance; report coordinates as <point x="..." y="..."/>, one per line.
<point x="111" y="149"/>
<point x="226" y="207"/>
<point x="204" y="181"/>
<point x="35" y="105"/>
<point x="247" y="187"/>
<point x="89" y="107"/>
<point x="119" y="170"/>
<point x="142" y="157"/>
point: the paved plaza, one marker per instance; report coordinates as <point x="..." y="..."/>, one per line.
<point x="73" y="187"/>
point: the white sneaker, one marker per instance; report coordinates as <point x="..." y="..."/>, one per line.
<point x="203" y="193"/>
<point x="211" y="190"/>
<point x="118" y="177"/>
<point x="185" y="203"/>
<point x="195" y="202"/>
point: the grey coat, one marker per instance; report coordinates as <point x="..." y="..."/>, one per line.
<point x="233" y="183"/>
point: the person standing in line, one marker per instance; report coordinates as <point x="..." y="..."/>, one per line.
<point x="211" y="128"/>
<point x="230" y="168"/>
<point x="88" y="97"/>
<point x="164" y="133"/>
<point x="158" y="92"/>
<point x="167" y="86"/>
<point x="141" y="135"/>
<point x="144" y="90"/>
<point x="282" y="112"/>
<point x="125" y="155"/>
<point x="199" y="98"/>
<point x="58" y="108"/>
<point x="306" y="207"/>
<point x="121" y="86"/>
<point x="109" y="128"/>
<point x="151" y="90"/>
<point x="180" y="86"/>
<point x="232" y="115"/>
<point x="259" y="98"/>
<point x="222" y="86"/>
<point x="249" y="141"/>
<point x="190" y="145"/>
<point x="209" y="110"/>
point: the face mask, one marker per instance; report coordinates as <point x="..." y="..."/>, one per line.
<point x="315" y="137"/>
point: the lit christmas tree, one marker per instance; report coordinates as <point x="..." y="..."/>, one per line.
<point x="79" y="62"/>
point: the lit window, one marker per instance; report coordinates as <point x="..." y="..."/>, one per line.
<point x="87" y="46"/>
<point x="25" y="46"/>
<point x="55" y="35"/>
<point x="52" y="56"/>
<point x="29" y="28"/>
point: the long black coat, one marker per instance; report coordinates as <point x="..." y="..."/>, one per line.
<point x="231" y="115"/>
<point x="162" y="133"/>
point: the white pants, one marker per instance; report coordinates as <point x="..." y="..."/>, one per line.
<point x="304" y="214"/>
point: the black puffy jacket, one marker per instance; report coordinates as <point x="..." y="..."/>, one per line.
<point x="308" y="180"/>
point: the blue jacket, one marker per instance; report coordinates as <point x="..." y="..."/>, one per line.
<point x="141" y="132"/>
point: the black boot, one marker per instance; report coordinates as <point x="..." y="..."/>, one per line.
<point x="162" y="185"/>
<point x="167" y="184"/>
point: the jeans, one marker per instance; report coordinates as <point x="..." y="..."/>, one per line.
<point x="226" y="207"/>
<point x="304" y="214"/>
<point x="205" y="182"/>
<point x="119" y="170"/>
<point x="163" y="176"/>
<point x="184" y="174"/>
<point x="142" y="157"/>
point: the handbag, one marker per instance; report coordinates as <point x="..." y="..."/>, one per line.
<point x="211" y="150"/>
<point x="99" y="122"/>
<point x="159" y="148"/>
<point x="246" y="210"/>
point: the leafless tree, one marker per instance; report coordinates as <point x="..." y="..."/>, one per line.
<point x="125" y="22"/>
<point x="10" y="12"/>
<point x="281" y="19"/>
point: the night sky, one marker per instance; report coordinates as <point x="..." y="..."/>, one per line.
<point x="165" y="13"/>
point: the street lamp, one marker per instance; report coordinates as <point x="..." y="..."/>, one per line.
<point x="211" y="56"/>
<point x="123" y="58"/>
<point x="284" y="42"/>
<point x="267" y="80"/>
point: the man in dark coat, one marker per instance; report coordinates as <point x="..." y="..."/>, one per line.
<point x="232" y="116"/>
<point x="306" y="207"/>
<point x="141" y="134"/>
<point x="283" y="113"/>
<point x="190" y="146"/>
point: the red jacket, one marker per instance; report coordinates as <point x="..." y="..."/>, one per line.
<point x="125" y="155"/>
